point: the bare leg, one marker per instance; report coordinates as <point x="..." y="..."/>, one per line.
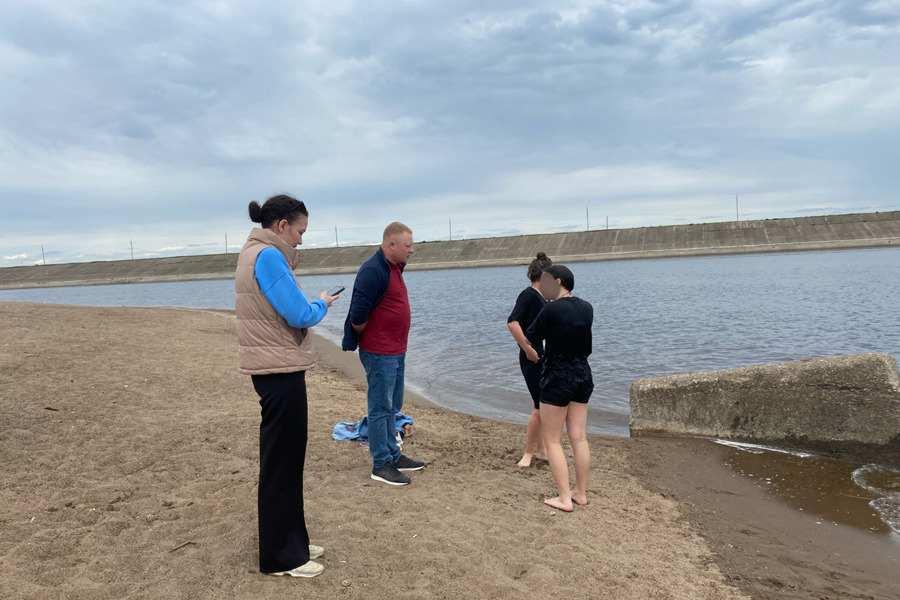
<point x="552" y="420"/>
<point x="576" y="425"/>
<point x="540" y="452"/>
<point x="533" y="445"/>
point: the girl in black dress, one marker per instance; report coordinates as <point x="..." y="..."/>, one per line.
<point x="529" y="304"/>
<point x="566" y="383"/>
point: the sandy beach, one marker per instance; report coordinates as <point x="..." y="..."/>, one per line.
<point x="129" y="464"/>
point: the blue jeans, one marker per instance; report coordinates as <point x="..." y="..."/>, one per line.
<point x="384" y="374"/>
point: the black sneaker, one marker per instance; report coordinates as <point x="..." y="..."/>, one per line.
<point x="407" y="464"/>
<point x="390" y="475"/>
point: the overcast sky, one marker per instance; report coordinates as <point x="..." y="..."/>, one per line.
<point x="155" y="123"/>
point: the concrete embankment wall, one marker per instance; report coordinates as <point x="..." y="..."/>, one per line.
<point x="843" y="403"/>
<point x="864" y="230"/>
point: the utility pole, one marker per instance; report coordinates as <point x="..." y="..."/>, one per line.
<point x="607" y="223"/>
<point x="132" y="249"/>
<point x="43" y="258"/>
<point x="226" y="242"/>
<point x="587" y="217"/>
<point x="737" y="212"/>
<point x="450" y="227"/>
<point x="336" y="242"/>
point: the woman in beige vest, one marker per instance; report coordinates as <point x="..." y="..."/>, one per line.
<point x="273" y="317"/>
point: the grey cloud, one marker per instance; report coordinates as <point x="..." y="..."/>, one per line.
<point x="139" y="117"/>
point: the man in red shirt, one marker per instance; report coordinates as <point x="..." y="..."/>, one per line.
<point x="378" y="322"/>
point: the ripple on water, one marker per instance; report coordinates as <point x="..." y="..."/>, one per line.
<point x="884" y="483"/>
<point x="760" y="449"/>
<point x="888" y="508"/>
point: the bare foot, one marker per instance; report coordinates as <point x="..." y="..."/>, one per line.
<point x="559" y="504"/>
<point x="579" y="499"/>
<point x="541" y="456"/>
<point x="525" y="462"/>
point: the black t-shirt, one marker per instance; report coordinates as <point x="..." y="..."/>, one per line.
<point x="528" y="306"/>
<point x="566" y="326"/>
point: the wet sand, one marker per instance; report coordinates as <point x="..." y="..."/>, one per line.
<point x="791" y="544"/>
<point x="129" y="447"/>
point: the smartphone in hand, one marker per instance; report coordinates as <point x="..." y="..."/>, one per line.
<point x="335" y="290"/>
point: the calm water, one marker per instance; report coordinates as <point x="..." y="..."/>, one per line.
<point x="652" y="317"/>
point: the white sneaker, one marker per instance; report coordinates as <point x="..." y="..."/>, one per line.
<point x="315" y="551"/>
<point x="310" y="569"/>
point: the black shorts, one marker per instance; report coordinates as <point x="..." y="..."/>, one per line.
<point x="559" y="387"/>
<point x="532" y="374"/>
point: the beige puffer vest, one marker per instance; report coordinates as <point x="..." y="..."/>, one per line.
<point x="267" y="344"/>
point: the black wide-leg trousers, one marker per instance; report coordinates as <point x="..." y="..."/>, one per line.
<point x="283" y="539"/>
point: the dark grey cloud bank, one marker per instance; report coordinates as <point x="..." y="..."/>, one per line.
<point x="158" y="121"/>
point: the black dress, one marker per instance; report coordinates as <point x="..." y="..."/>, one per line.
<point x="528" y="306"/>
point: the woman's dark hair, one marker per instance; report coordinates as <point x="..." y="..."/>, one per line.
<point x="277" y="208"/>
<point x="537" y="266"/>
<point x="564" y="275"/>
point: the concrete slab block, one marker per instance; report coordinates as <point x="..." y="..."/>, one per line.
<point x="809" y="402"/>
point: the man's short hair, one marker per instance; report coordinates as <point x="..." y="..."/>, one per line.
<point x="394" y="229"/>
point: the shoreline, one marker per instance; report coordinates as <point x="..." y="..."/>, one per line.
<point x="764" y="546"/>
<point x="138" y="479"/>
<point x="725" y="509"/>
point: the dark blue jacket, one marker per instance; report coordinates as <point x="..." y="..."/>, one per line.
<point x="371" y="284"/>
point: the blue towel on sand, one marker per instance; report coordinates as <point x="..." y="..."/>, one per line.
<point x="360" y="430"/>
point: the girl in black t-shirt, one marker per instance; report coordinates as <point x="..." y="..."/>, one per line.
<point x="566" y="383"/>
<point x="529" y="304"/>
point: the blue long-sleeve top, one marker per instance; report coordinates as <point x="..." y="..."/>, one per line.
<point x="279" y="286"/>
